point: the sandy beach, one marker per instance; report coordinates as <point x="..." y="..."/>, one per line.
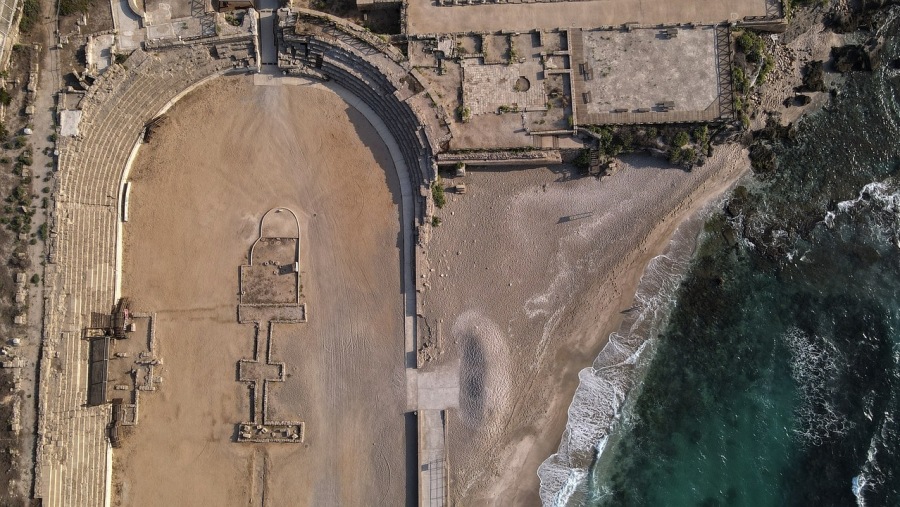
<point x="531" y="271"/>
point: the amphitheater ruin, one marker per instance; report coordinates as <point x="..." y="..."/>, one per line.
<point x="474" y="82"/>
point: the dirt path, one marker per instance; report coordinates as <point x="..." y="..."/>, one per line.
<point x="230" y="152"/>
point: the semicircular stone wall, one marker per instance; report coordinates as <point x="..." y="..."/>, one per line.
<point x="73" y="452"/>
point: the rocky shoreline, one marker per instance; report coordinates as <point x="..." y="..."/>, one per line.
<point x="849" y="42"/>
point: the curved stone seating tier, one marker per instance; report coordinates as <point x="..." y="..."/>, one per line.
<point x="397" y="115"/>
<point x="72" y="453"/>
<point x="402" y="129"/>
<point x="378" y="74"/>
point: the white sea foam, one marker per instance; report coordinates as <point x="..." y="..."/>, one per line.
<point x="829" y="219"/>
<point x="868" y="478"/>
<point x="877" y="192"/>
<point x="880" y="201"/>
<point x="576" y="477"/>
<point x="815" y="361"/>
<point x="603" y="387"/>
<point x="858" y="483"/>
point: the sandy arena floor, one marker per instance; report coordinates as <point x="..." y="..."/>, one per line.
<point x="229" y="152"/>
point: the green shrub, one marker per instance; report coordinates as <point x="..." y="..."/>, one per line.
<point x="613" y="142"/>
<point x="741" y="83"/>
<point x="69" y="7"/>
<point x="751" y="45"/>
<point x="25" y="158"/>
<point x="701" y="136"/>
<point x="682" y="156"/>
<point x="767" y="66"/>
<point x="464" y="113"/>
<point x="680" y="139"/>
<point x="21" y="196"/>
<point x="437" y="193"/>
<point x="583" y="160"/>
<point x="31" y="14"/>
<point x="15" y="143"/>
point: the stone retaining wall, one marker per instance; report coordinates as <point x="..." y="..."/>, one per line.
<point x="501" y="157"/>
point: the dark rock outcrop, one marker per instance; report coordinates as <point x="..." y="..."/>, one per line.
<point x="813" y="77"/>
<point x="802" y="100"/>
<point x="762" y="157"/>
<point x="851" y="57"/>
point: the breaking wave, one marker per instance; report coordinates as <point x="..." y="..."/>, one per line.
<point x="604" y="386"/>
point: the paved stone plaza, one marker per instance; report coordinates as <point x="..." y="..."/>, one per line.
<point x="486" y="88"/>
<point x="428" y="16"/>
<point x="642" y="68"/>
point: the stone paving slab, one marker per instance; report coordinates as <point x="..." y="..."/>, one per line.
<point x="428" y="17"/>
<point x="642" y="68"/>
<point x="488" y="87"/>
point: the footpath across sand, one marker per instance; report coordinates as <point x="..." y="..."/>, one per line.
<point x="229" y="152"/>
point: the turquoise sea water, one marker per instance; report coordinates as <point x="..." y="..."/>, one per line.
<point x="777" y="378"/>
